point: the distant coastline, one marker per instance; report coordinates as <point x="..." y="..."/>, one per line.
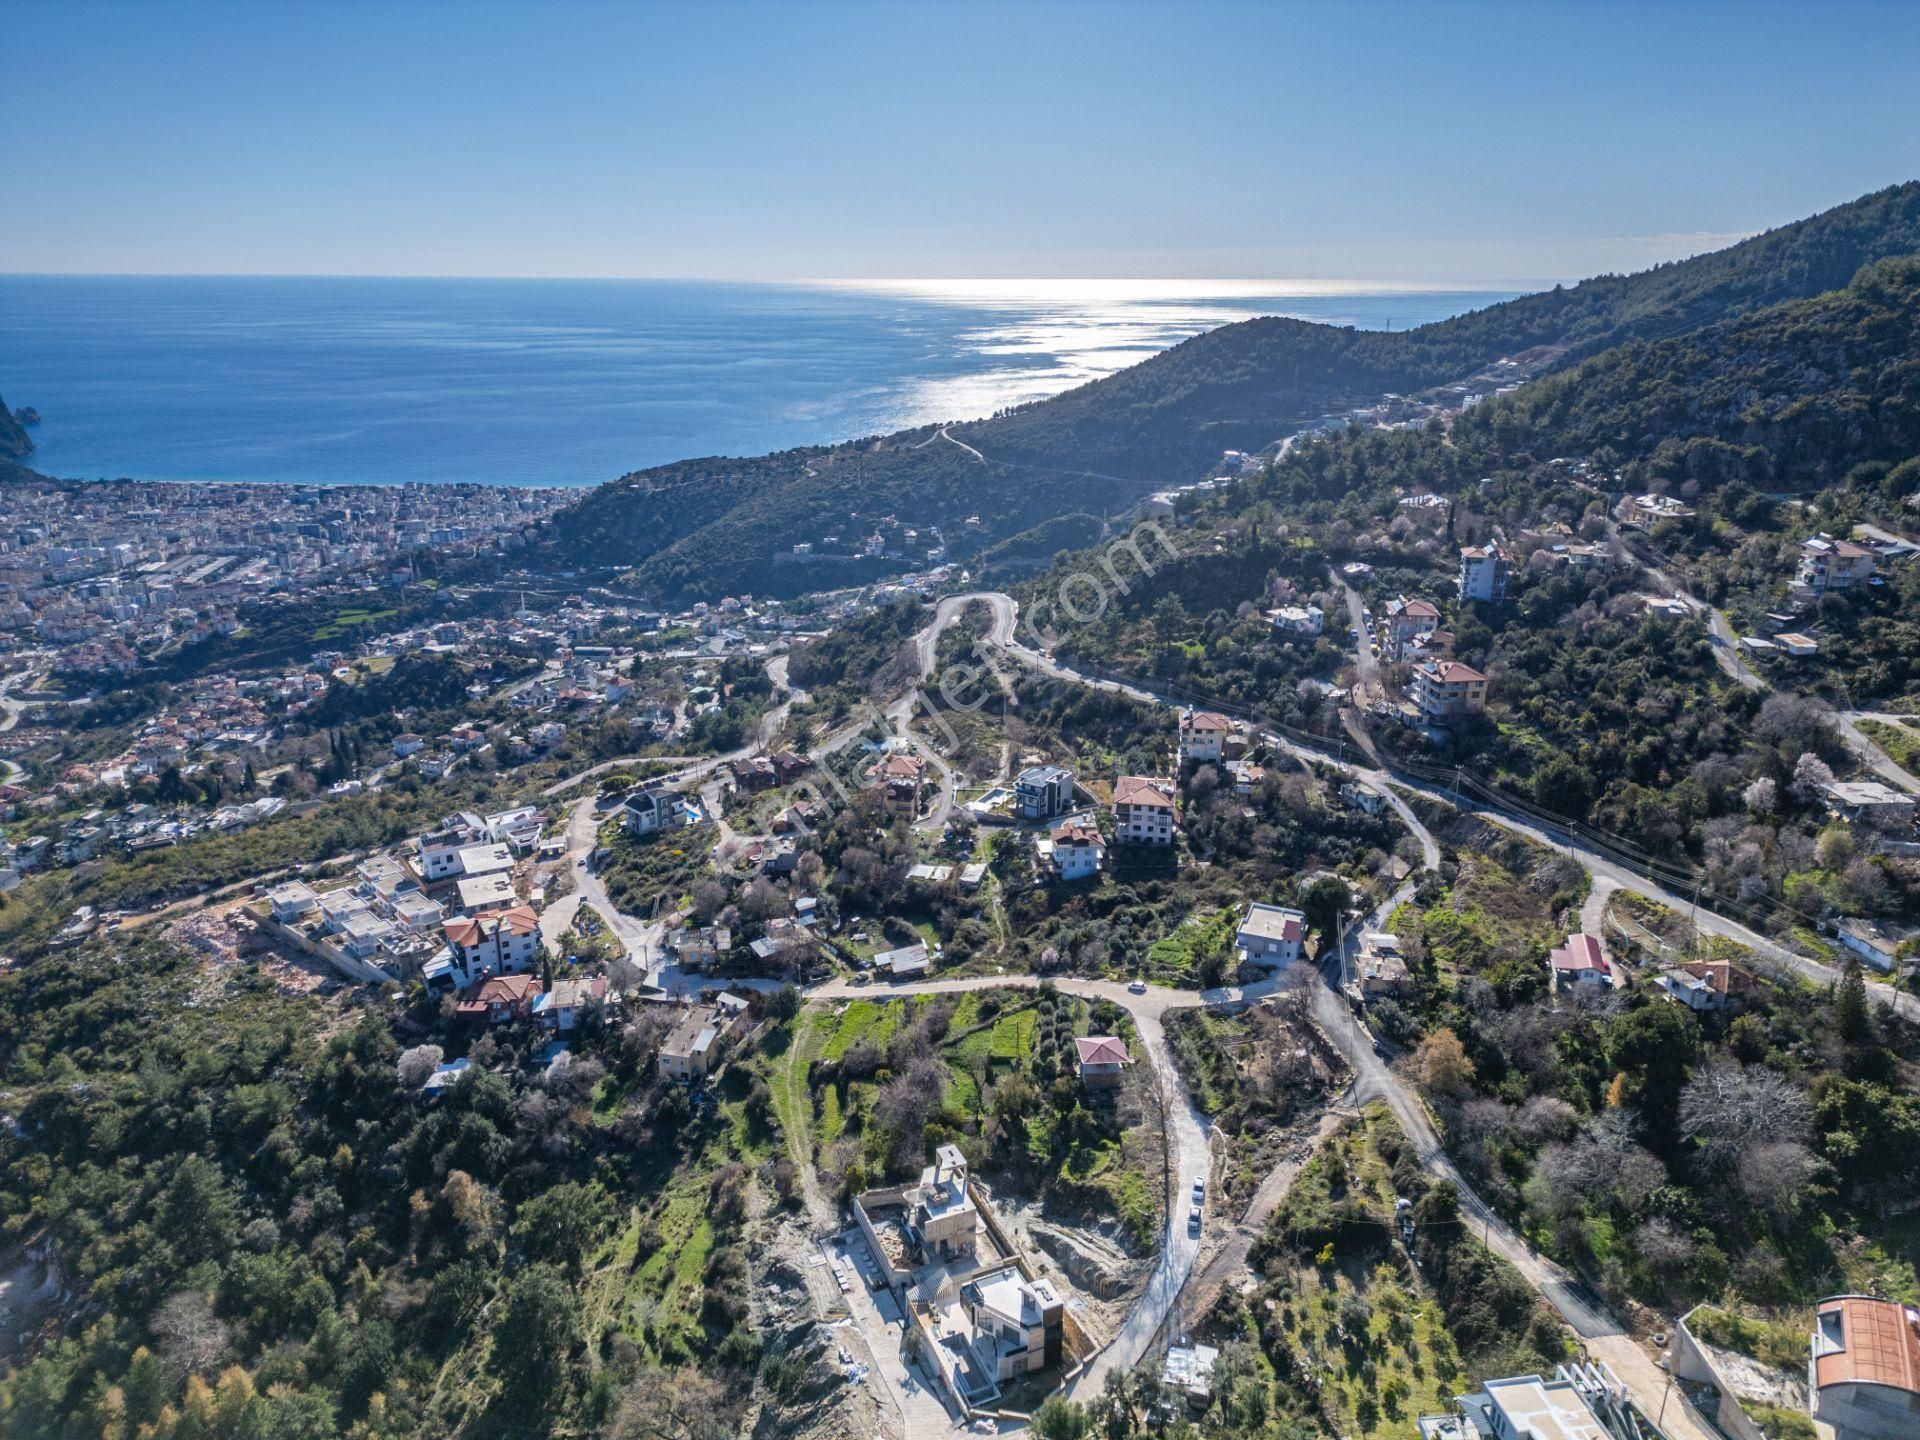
<point x="564" y="383"/>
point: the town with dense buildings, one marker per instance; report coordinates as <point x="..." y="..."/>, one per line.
<point x="1432" y="953"/>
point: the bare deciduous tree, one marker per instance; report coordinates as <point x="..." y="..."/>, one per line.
<point x="675" y="1404"/>
<point x="1664" y="1246"/>
<point x="906" y="1102"/>
<point x="1729" y="1109"/>
<point x="1603" y="1161"/>
<point x="1774" y="1177"/>
<point x="415" y="1065"/>
<point x="192" y="1338"/>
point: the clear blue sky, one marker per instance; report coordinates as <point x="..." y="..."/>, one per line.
<point x="1445" y="143"/>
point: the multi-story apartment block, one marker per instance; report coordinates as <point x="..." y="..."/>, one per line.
<point x="651" y="809"/>
<point x="1143" y="810"/>
<point x="503" y="942"/>
<point x="1043" y="792"/>
<point x="1075" y="849"/>
<point x="1483" y="573"/>
<point x="1445" y="692"/>
<point x="1827" y="564"/>
<point x="1402" y="624"/>
<point x="1203" y="734"/>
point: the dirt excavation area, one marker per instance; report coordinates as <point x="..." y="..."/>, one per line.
<point x="843" y="1363"/>
<point x="226" y="939"/>
<point x="1090" y="1263"/>
<point x="825" y="1382"/>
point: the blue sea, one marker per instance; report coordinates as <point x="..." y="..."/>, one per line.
<point x="569" y="382"/>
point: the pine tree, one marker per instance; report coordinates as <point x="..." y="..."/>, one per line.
<point x="1850" y="1008"/>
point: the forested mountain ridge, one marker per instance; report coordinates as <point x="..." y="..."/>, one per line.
<point x="1164" y="421"/>
<point x="1232" y="383"/>
<point x="1791" y="397"/>
<point x="1600" y="709"/>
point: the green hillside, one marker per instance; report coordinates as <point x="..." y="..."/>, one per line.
<point x="704" y="526"/>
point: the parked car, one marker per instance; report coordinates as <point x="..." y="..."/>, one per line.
<point x="1193" y="1220"/>
<point x="1199" y="1189"/>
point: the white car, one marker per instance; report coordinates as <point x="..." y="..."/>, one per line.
<point x="1193" y="1219"/>
<point x="1138" y="987"/>
<point x="1199" y="1189"/>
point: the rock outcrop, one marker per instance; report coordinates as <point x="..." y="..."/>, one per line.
<point x="15" y="443"/>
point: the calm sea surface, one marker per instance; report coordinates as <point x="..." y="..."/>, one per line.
<point x="559" y="382"/>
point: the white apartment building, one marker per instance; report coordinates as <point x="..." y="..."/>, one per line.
<point x="441" y="849"/>
<point x="505" y="942"/>
<point x="1203" y="734"/>
<point x="1829" y="564"/>
<point x="1483" y="573"/>
<point x="1271" y="935"/>
<point x="1446" y="691"/>
<point x="1075" y="849"/>
<point x="1143" y="810"/>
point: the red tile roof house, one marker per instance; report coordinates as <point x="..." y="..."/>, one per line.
<point x="1103" y="1061"/>
<point x="1075" y="849"/>
<point x="898" y="776"/>
<point x="1581" y="961"/>
<point x="1203" y="734"/>
<point x="1405" y="621"/>
<point x="1447" y="691"/>
<point x="498" y="999"/>
<point x="1709" y="985"/>
<point x="505" y="942"/>
<point x="1143" y="810"/>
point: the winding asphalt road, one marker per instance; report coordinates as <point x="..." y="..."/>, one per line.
<point x="1605" y="1338"/>
<point x="13" y="709"/>
<point x="1726" y="654"/>
<point x="1595" y="863"/>
<point x="1187" y="1131"/>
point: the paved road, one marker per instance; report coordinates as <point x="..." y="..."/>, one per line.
<point x="1189" y="1158"/>
<point x="1599" y="1330"/>
<point x="13" y="709"/>
<point x="1187" y="1131"/>
<point x="1606" y="1339"/>
<point x="1869" y="753"/>
<point x="945" y="435"/>
<point x="1593" y="911"/>
<point x="1604" y="1336"/>
<point x="583" y="830"/>
<point x="642" y="940"/>
<point x="1598" y="865"/>
<point x="1205" y="1284"/>
<point x="1364" y="660"/>
<point x="1726" y="654"/>
<point x="1726" y="646"/>
<point x="1709" y="922"/>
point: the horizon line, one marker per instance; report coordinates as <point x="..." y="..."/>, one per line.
<point x="1243" y="285"/>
